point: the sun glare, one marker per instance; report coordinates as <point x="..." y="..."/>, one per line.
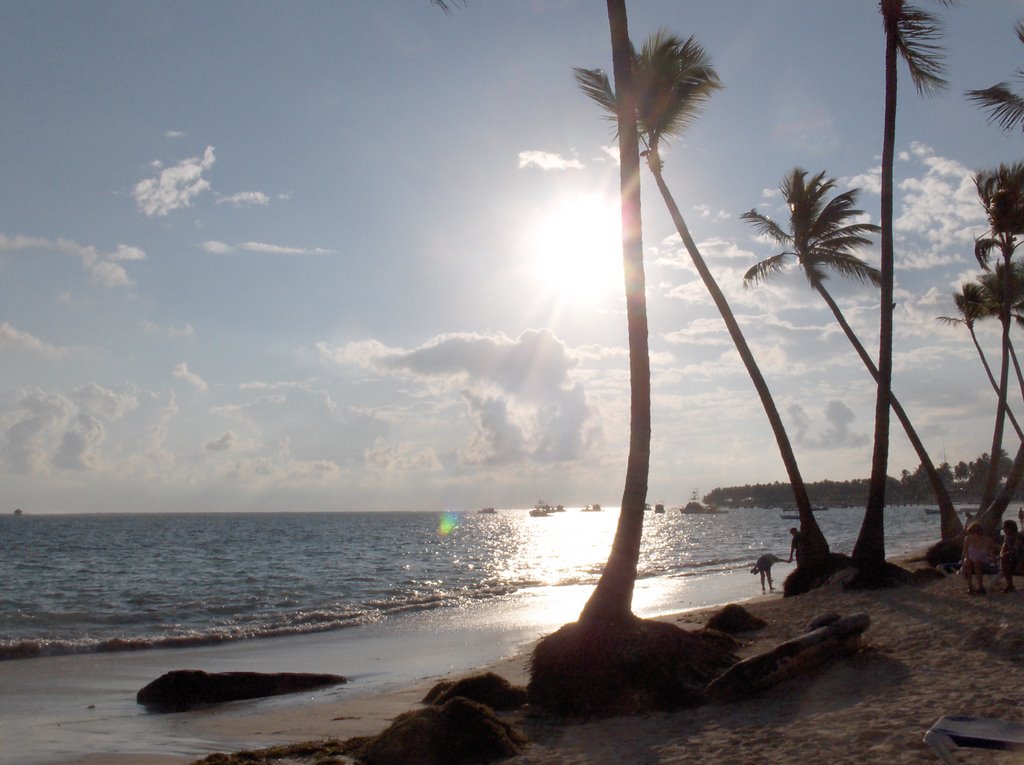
<point x="576" y="248"/>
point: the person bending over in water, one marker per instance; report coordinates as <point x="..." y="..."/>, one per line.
<point x="979" y="557"/>
<point x="763" y="566"/>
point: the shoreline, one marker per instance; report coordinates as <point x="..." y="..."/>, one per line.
<point x="932" y="650"/>
<point x="80" y="708"/>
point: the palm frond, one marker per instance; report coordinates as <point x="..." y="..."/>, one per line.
<point x="918" y="33"/>
<point x="598" y="88"/>
<point x="1005" y="107"/>
<point x="983" y="250"/>
<point x="766" y="227"/>
<point x="765" y="269"/>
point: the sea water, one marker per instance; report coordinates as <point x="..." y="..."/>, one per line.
<point x="97" y="583"/>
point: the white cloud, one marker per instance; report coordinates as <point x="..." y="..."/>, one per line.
<point x="175" y="186"/>
<point x="182" y="372"/>
<point x="214" y="247"/>
<point x="104" y="268"/>
<point x="518" y="391"/>
<point x="547" y="161"/>
<point x="186" y="330"/>
<point x="18" y="340"/>
<point x="244" y="199"/>
<point x="174" y="134"/>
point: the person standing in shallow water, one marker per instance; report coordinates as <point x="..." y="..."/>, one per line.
<point x="763" y="566"/>
<point x="794" y="546"/>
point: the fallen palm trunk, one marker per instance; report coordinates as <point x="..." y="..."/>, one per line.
<point x="800" y="654"/>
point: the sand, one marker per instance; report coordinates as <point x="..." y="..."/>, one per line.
<point x="931" y="650"/>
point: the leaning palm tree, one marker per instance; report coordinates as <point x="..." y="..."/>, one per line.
<point x="1005" y="107"/>
<point x="612" y="598"/>
<point x="973" y="304"/>
<point x="675" y="79"/>
<point x="1001" y="192"/>
<point x="822" y="239"/>
<point x="609" y="661"/>
<point x="910" y="34"/>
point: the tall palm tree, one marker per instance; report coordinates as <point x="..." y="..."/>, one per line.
<point x="1001" y="192"/>
<point x="822" y="239"/>
<point x="674" y="80"/>
<point x="612" y="598"/>
<point x="1005" y="107"/>
<point x="910" y="34"/>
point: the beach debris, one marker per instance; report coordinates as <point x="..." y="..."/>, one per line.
<point x="599" y="669"/>
<point x="183" y="689"/>
<point x="812" y="649"/>
<point x="735" y="618"/>
<point x="458" y="732"/>
<point x="484" y="688"/>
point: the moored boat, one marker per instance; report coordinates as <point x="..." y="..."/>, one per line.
<point x="695" y="507"/>
<point x="487" y="511"/>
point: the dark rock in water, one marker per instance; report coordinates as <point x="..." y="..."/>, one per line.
<point x="459" y="732"/>
<point x="184" y="689"/>
<point x="735" y="618"/>
<point x="486" y="688"/>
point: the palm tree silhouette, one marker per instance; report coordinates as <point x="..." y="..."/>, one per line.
<point x="910" y="34"/>
<point x="674" y="80"/>
<point x="1005" y="107"/>
<point x="821" y="238"/>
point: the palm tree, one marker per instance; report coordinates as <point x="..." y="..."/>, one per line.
<point x="674" y="81"/>
<point x="613" y="596"/>
<point x="822" y="239"/>
<point x="1001" y="192"/>
<point x="910" y="34"/>
<point x="1006" y="107"/>
<point x="974" y="302"/>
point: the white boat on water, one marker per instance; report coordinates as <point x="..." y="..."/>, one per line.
<point x="594" y="508"/>
<point x="487" y="511"/>
<point x="695" y="507"/>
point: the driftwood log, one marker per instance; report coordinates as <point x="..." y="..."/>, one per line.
<point x="750" y="676"/>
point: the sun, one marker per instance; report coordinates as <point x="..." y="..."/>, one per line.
<point x="576" y="248"/>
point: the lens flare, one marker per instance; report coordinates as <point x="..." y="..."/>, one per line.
<point x="449" y="522"/>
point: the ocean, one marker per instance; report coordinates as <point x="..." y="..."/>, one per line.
<point x="73" y="584"/>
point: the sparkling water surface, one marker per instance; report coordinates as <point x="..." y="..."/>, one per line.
<point x="84" y="583"/>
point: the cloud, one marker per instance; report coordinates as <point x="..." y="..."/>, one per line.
<point x="547" y="161"/>
<point x="18" y="340"/>
<point x="837" y="432"/>
<point x="244" y="199"/>
<point x="214" y="247"/>
<point x="186" y="330"/>
<point x="174" y="187"/>
<point x="400" y="459"/>
<point x="174" y="134"/>
<point x="182" y="372"/>
<point x="27" y="433"/>
<point x="519" y="392"/>
<point x="104" y="268"/>
<point x="222" y="444"/>
<point x="78" y="447"/>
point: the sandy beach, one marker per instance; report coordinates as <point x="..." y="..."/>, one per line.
<point x="931" y="650"/>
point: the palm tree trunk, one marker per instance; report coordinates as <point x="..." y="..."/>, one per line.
<point x="869" y="550"/>
<point x="993" y="513"/>
<point x="992" y="480"/>
<point x="814" y="551"/>
<point x="613" y="597"/>
<point x="949" y="521"/>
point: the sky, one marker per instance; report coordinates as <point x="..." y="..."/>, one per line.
<point x="364" y="255"/>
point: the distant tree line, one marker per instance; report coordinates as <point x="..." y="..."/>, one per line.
<point x="965" y="482"/>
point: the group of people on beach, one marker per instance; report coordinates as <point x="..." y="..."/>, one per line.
<point x="984" y="556"/>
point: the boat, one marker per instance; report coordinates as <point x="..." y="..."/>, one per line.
<point x="694" y="507"/>
<point x="932" y="511"/>
<point x="487" y="511"/>
<point x="542" y="509"/>
<point x="18" y="511"/>
<point x="594" y="508"/>
<point x="659" y="507"/>
<point x="789" y="516"/>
